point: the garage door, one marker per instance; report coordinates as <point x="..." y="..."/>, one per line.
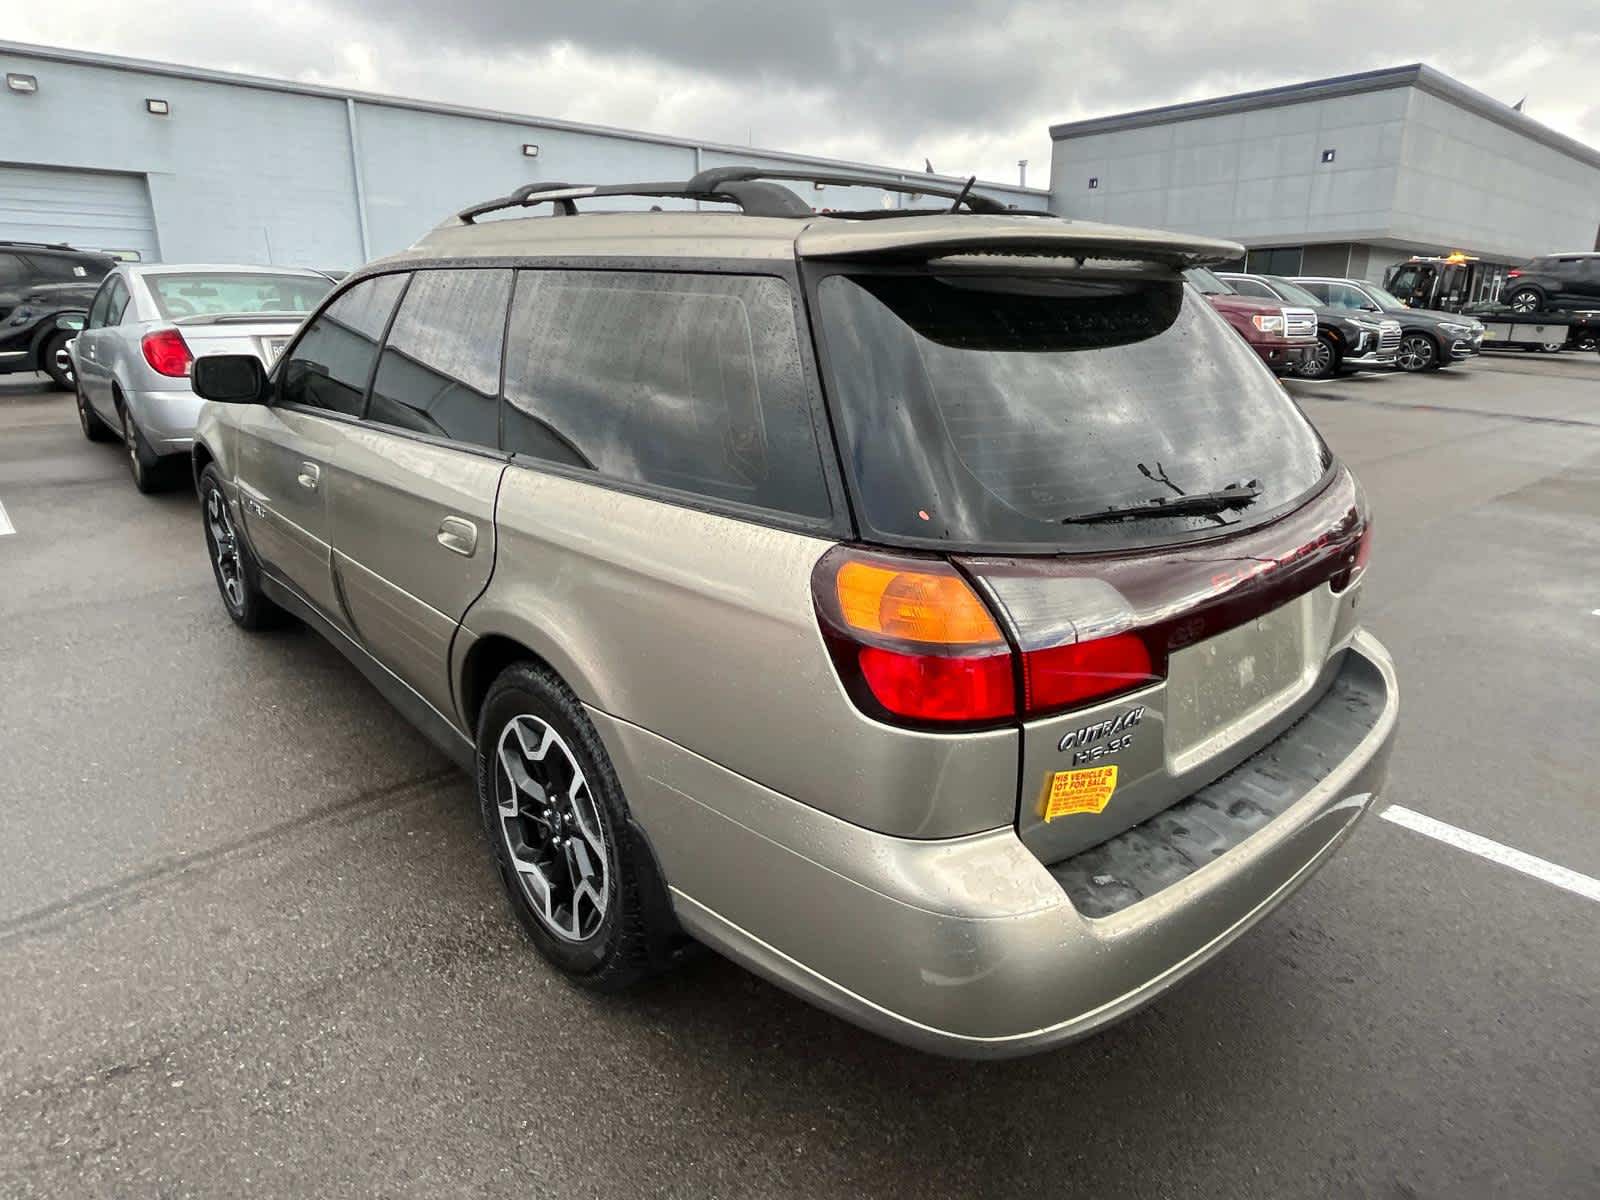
<point x="93" y="210"/>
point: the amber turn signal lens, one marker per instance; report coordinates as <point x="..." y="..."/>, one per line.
<point x="913" y="606"/>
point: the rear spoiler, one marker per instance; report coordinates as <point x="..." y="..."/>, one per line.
<point x="942" y="236"/>
<point x="260" y="318"/>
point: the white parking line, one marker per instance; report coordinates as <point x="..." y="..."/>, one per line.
<point x="1528" y="864"/>
<point x="5" y="522"/>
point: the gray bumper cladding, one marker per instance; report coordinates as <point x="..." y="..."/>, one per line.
<point x="1174" y="844"/>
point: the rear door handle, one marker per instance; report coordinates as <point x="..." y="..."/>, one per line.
<point x="459" y="535"/>
<point x="310" y="475"/>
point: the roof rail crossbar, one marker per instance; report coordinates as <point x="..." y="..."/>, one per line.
<point x="717" y="178"/>
<point x="755" y="199"/>
<point x="36" y="245"/>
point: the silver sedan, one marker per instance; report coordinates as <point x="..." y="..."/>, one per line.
<point x="145" y="328"/>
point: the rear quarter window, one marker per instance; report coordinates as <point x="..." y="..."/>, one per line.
<point x="692" y="383"/>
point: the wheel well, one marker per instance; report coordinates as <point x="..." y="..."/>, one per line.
<point x="202" y="458"/>
<point x="487" y="658"/>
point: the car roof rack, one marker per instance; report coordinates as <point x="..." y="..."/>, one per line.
<point x="716" y="178"/>
<point x="747" y="187"/>
<point x="36" y="245"/>
<point x="754" y="198"/>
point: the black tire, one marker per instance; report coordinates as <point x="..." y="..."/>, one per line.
<point x="1418" y="352"/>
<point x="1525" y="299"/>
<point x="605" y="949"/>
<point x="1322" y="361"/>
<point x="151" y="472"/>
<point x="89" y="421"/>
<point x="57" y="362"/>
<point x="238" y="579"/>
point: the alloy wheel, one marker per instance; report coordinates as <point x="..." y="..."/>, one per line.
<point x="1416" y="352"/>
<point x="1318" y="361"/>
<point x="1524" y="302"/>
<point x="224" y="548"/>
<point x="130" y="439"/>
<point x="63" y="363"/>
<point x="552" y="829"/>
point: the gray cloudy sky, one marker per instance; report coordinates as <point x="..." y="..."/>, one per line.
<point x="973" y="86"/>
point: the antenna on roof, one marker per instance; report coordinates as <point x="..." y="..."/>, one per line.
<point x="967" y="187"/>
<point x="1517" y="107"/>
<point x="927" y="165"/>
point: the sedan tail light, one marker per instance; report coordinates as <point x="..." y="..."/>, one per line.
<point x="167" y="352"/>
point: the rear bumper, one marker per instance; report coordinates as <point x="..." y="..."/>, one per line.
<point x="970" y="946"/>
<point x="166" y="418"/>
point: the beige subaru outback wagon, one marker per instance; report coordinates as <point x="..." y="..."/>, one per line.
<point x="937" y="609"/>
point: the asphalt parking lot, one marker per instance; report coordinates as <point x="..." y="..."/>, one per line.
<point x="250" y="943"/>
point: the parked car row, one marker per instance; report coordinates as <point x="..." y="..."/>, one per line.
<point x="956" y="570"/>
<point x="1345" y="324"/>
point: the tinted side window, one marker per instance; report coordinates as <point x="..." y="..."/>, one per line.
<point x="1319" y="290"/>
<point x="1251" y="287"/>
<point x="11" y="272"/>
<point x="97" y="310"/>
<point x="333" y="360"/>
<point x="1342" y="295"/>
<point x="440" y="370"/>
<point x="117" y="304"/>
<point x="692" y="382"/>
<point x="58" y="269"/>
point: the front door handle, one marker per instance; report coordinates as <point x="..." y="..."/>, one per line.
<point x="459" y="535"/>
<point x="310" y="475"/>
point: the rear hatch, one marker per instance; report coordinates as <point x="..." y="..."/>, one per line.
<point x="1166" y="542"/>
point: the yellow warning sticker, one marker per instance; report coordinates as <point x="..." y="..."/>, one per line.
<point x="1085" y="791"/>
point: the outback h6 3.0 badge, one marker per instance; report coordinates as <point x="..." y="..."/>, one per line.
<point x="1093" y="742"/>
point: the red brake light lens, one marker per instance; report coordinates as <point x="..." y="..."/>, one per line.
<point x="1513" y="274"/>
<point x="167" y="353"/>
<point x="930" y="687"/>
<point x="1064" y="676"/>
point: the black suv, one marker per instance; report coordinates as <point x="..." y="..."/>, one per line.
<point x="1554" y="281"/>
<point x="45" y="292"/>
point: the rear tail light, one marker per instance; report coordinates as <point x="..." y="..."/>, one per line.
<point x="912" y="640"/>
<point x="914" y="643"/>
<point x="1363" y="552"/>
<point x="1065" y="676"/>
<point x="1513" y="274"/>
<point x="167" y="353"/>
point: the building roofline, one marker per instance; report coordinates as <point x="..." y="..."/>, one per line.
<point x="1417" y="75"/>
<point x="267" y="83"/>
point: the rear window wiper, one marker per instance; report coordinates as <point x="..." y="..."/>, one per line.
<point x="1237" y="495"/>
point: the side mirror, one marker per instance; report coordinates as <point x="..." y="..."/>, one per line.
<point x="230" y="378"/>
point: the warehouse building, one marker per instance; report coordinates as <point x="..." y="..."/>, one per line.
<point x="1342" y="176"/>
<point x="180" y="164"/>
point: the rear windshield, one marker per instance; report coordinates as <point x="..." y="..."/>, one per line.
<point x="188" y="295"/>
<point x="981" y="411"/>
